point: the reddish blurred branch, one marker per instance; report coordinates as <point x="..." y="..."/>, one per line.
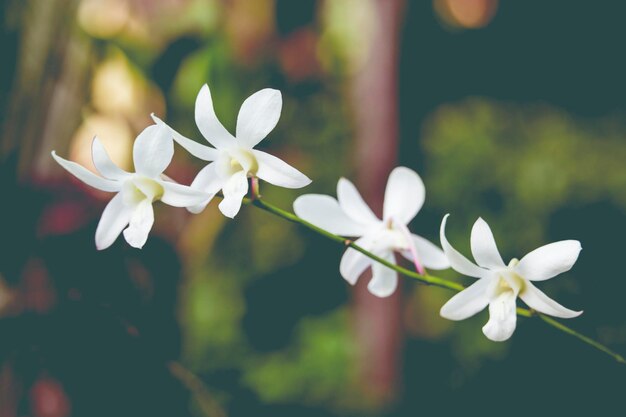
<point x="375" y="98"/>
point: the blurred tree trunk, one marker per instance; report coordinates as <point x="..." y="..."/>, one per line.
<point x="49" y="87"/>
<point x="375" y="95"/>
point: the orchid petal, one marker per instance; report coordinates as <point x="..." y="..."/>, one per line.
<point x="210" y="127"/>
<point x="538" y="300"/>
<point x="502" y="317"/>
<point x="468" y="302"/>
<point x="103" y="163"/>
<point x="207" y="181"/>
<point x="277" y="172"/>
<point x="324" y="211"/>
<point x="235" y="189"/>
<point x="352" y="203"/>
<point x="404" y="195"/>
<point x="87" y="176"/>
<point x="458" y="262"/>
<point x="114" y="219"/>
<point x="548" y="261"/>
<point x="484" y="246"/>
<point x="258" y="116"/>
<point x="384" y="279"/>
<point x="354" y="263"/>
<point x="430" y="255"/>
<point x="153" y="151"/>
<point x="178" y="195"/>
<point x="141" y="221"/>
<point x="198" y="150"/>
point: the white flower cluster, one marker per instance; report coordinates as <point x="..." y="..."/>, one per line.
<point x="233" y="160"/>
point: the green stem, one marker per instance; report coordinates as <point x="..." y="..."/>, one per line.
<point x="425" y="278"/>
<point x="557" y="325"/>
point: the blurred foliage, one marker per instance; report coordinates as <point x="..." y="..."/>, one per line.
<point x="519" y="165"/>
<point x="313" y="369"/>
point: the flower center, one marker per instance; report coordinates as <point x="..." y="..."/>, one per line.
<point x="237" y="160"/>
<point x="396" y="236"/>
<point x="235" y="164"/>
<point x="392" y="238"/>
<point x="508" y="281"/>
<point x="138" y="188"/>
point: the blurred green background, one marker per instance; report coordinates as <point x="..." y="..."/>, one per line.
<point x="513" y="111"/>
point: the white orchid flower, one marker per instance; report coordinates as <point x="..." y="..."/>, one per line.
<point x="350" y="216"/>
<point x="132" y="205"/>
<point x="234" y="157"/>
<point x="499" y="284"/>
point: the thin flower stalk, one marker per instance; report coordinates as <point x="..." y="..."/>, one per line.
<point x="260" y="203"/>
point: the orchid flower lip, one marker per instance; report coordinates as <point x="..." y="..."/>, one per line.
<point x="499" y="285"/>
